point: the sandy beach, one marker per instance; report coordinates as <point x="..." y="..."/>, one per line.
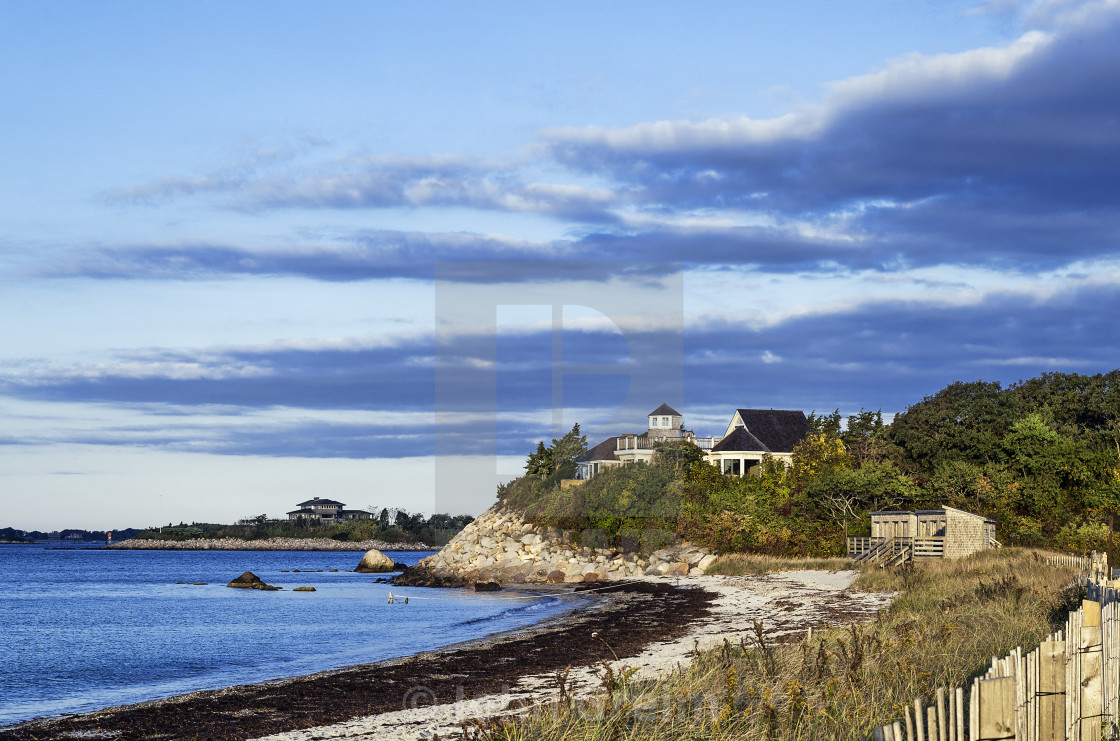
<point x="787" y="603"/>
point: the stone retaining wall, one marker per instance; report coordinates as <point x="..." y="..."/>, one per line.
<point x="501" y="546"/>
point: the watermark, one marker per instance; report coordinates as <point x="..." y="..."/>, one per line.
<point x="524" y="350"/>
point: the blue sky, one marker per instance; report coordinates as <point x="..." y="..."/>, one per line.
<point x="375" y="251"/>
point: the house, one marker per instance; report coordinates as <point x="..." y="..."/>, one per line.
<point x="753" y="434"/>
<point x="327" y="511"/>
<point x="663" y="425"/>
<point x="900" y="536"/>
<point x="750" y="435"/>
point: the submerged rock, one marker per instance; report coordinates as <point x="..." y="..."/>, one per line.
<point x="304" y="589"/>
<point x="375" y="562"/>
<point x="249" y="580"/>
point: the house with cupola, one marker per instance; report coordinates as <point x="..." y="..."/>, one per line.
<point x="750" y="436"/>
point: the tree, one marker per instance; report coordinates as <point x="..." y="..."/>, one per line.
<point x="569" y="448"/>
<point x="539" y="463"/>
<point x="680" y="454"/>
<point x="828" y="424"/>
<point x="864" y="436"/>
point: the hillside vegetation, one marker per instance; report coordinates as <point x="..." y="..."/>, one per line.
<point x="396" y="526"/>
<point x="1042" y="457"/>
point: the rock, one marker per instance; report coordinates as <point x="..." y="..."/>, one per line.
<point x="249" y="580"/>
<point x="695" y="572"/>
<point x="304" y="589"/>
<point x="677" y="569"/>
<point x="555" y="577"/>
<point x="693" y="558"/>
<point x="705" y="562"/>
<point x="487" y="586"/>
<point x="591" y="576"/>
<point x="375" y="562"/>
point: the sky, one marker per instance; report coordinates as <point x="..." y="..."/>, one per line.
<point x="258" y="253"/>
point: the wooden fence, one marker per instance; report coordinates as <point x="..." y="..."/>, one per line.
<point x="1066" y="689"/>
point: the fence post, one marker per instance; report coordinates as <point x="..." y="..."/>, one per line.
<point x="1092" y="697"/>
<point x="997" y="709"/>
<point x="941" y="729"/>
<point x="1052" y="691"/>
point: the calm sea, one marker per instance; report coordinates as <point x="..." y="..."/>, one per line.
<point x="88" y="628"/>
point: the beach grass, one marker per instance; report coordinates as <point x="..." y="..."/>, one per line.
<point x="949" y="619"/>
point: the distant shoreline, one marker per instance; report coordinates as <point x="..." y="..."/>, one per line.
<point x="264" y="544"/>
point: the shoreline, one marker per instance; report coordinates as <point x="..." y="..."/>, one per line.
<point x="788" y="603"/>
<point x="633" y="615"/>
<point x="650" y="624"/>
<point x="265" y="544"/>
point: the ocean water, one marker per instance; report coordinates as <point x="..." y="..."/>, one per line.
<point x="84" y="629"/>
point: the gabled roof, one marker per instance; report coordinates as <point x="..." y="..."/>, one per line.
<point x="778" y="429"/>
<point x="664" y="410"/>
<point x="740" y="439"/>
<point x="317" y="502"/>
<point x="604" y="451"/>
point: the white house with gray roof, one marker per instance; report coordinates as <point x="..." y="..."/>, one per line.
<point x="751" y="435"/>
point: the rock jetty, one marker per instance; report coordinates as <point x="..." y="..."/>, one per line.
<point x="500" y="546"/>
<point x="264" y="544"/>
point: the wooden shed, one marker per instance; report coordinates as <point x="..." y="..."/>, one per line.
<point x="900" y="536"/>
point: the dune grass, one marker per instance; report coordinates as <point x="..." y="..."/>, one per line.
<point x="949" y="619"/>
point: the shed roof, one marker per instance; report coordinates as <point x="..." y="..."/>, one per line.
<point x="778" y="429"/>
<point x="664" y="409"/>
<point x="740" y="439"/>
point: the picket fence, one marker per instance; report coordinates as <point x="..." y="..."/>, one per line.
<point x="1066" y="689"/>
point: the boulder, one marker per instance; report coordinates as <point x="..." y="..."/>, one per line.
<point x="677" y="569"/>
<point x="249" y="580"/>
<point x="555" y="577"/>
<point x="590" y="576"/>
<point x="487" y="586"/>
<point x="705" y="562"/>
<point x="304" y="589"/>
<point x="375" y="562"/>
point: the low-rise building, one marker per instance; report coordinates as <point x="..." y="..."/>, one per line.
<point x="327" y="511"/>
<point x="898" y="536"/>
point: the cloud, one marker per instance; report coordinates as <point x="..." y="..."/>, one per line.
<point x="924" y="148"/>
<point x="379" y="400"/>
<point x="999" y="157"/>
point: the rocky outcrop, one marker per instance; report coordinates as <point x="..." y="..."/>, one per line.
<point x="500" y="546"/>
<point x="264" y="544"/>
<point x="304" y="589"/>
<point x="375" y="562"/>
<point x="249" y="580"/>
